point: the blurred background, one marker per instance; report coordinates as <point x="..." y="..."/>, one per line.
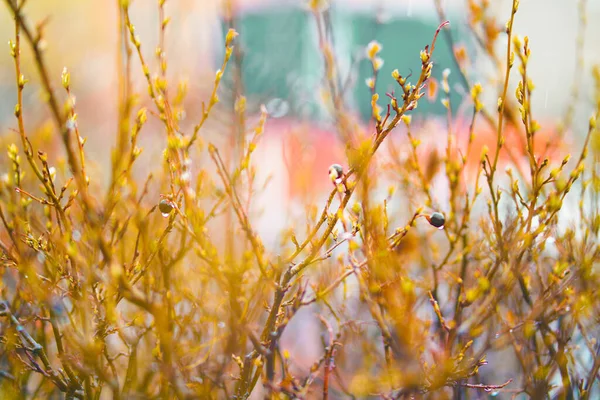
<point x="281" y="67"/>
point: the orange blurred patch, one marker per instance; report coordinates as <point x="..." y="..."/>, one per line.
<point x="547" y="143"/>
<point x="432" y="89"/>
<point x="308" y="152"/>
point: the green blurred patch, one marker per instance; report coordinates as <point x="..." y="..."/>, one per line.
<point x="281" y="58"/>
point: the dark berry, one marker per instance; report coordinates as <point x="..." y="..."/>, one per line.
<point x="437" y="219"/>
<point x="165" y="206"/>
<point x="336" y="171"/>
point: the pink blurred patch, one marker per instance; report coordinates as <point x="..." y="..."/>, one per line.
<point x="307" y="151"/>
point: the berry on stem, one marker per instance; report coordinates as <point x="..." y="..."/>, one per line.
<point x="165" y="207"/>
<point x="336" y="172"/>
<point x="436" y="219"/>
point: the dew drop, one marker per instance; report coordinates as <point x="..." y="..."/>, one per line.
<point x="221" y="324"/>
<point x="76" y="235"/>
<point x="165" y="214"/>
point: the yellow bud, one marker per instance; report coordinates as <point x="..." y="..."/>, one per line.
<point x="484" y="152"/>
<point x="377" y="63"/>
<point x="231" y="34"/>
<point x="373" y="48"/>
<point x="66" y="78"/>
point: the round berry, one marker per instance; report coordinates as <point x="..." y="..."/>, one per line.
<point x="335" y="172"/>
<point x="437" y="219"/>
<point x="165" y="206"/>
